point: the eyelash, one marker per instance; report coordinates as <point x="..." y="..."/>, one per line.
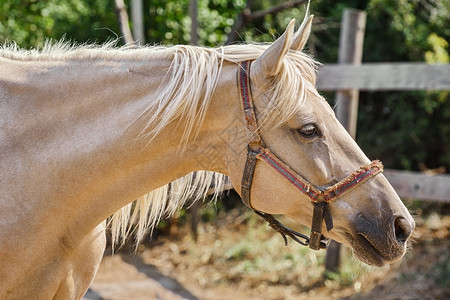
<point x="309" y="131"/>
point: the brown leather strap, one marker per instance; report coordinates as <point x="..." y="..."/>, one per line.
<point x="316" y="227"/>
<point x="253" y="137"/>
<point x="247" y="177"/>
<point x="283" y="230"/>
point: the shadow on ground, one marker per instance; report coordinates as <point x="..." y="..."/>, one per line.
<point x="128" y="277"/>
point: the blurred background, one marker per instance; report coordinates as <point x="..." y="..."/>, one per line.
<point x="221" y="250"/>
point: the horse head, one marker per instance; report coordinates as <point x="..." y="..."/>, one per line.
<point x="309" y="155"/>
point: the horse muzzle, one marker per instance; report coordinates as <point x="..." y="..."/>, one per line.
<point x="379" y="243"/>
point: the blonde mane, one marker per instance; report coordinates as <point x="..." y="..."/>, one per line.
<point x="194" y="74"/>
<point x="185" y="95"/>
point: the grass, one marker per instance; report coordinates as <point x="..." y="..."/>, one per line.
<point x="261" y="256"/>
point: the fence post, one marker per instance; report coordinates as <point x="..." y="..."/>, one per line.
<point x="137" y="19"/>
<point x="350" y="52"/>
<point x="193" y="12"/>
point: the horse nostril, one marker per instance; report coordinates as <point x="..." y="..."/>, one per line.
<point x="402" y="229"/>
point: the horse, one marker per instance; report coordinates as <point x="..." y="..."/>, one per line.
<point x="86" y="130"/>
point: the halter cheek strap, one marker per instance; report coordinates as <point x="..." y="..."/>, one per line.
<point x="319" y="197"/>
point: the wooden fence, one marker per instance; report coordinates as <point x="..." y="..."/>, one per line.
<point x="349" y="76"/>
<point x="391" y="77"/>
<point x="388" y="77"/>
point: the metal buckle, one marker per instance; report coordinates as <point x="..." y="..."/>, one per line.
<point x="321" y="211"/>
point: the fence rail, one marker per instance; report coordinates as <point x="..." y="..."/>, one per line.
<point x="384" y="76"/>
<point x="418" y="185"/>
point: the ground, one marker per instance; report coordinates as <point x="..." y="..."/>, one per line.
<point x="237" y="256"/>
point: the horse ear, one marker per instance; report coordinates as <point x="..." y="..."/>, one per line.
<point x="302" y="34"/>
<point x="270" y="62"/>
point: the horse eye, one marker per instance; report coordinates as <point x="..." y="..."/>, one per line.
<point x="309" y="131"/>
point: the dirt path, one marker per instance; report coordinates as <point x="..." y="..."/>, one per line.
<point x="226" y="263"/>
<point x="127" y="277"/>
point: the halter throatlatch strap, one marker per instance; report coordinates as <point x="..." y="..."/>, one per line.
<point x="319" y="197"/>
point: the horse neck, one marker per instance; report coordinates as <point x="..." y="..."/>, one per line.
<point x="77" y="126"/>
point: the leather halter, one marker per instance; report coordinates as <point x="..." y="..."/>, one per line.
<point x="319" y="197"/>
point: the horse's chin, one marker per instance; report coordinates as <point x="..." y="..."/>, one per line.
<point x="365" y="252"/>
<point x="369" y="252"/>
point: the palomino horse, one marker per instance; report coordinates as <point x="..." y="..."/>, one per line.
<point x="86" y="130"/>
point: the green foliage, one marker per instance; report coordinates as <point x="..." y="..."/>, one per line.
<point x="168" y="22"/>
<point x="30" y="22"/>
<point x="439" y="46"/>
<point x="216" y="19"/>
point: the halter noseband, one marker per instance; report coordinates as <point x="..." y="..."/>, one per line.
<point x="320" y="198"/>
